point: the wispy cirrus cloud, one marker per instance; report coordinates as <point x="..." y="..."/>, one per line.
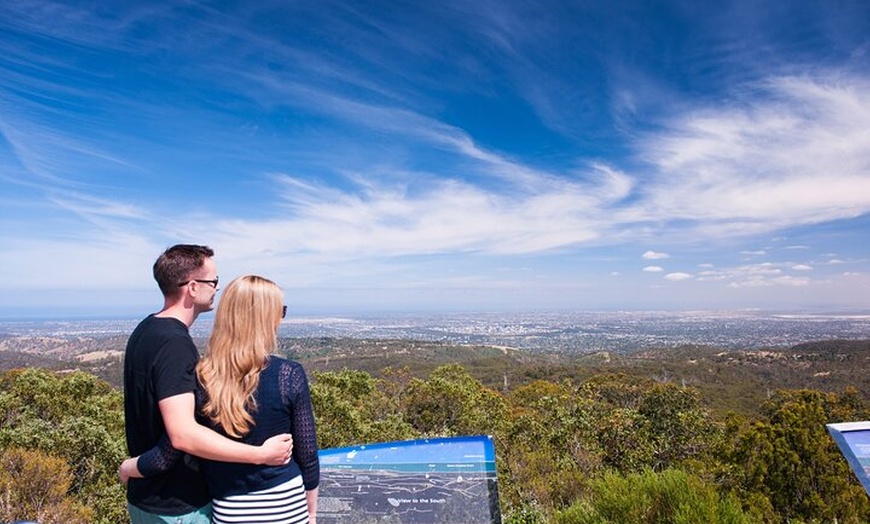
<point x="724" y="140"/>
<point x="761" y="162"/>
<point x="332" y="141"/>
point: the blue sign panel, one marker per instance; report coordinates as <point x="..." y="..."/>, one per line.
<point x="423" y="481"/>
<point x="854" y="441"/>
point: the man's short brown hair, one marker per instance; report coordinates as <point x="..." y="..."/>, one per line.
<point x="176" y="265"/>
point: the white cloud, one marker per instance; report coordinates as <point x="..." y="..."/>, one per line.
<point x="451" y="216"/>
<point x="709" y="275"/>
<point x="759" y="252"/>
<point x="763" y="269"/>
<point x="537" y="210"/>
<point x="761" y="275"/>
<point x="758" y="161"/>
<point x="751" y="282"/>
<point x="676" y="277"/>
<point x="802" y="267"/>
<point x="90" y="206"/>
<point x="725" y="183"/>
<point x="791" y="281"/>
<point x="653" y="269"/>
<point x="652" y="255"/>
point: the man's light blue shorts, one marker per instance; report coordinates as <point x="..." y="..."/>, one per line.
<point x="200" y="516"/>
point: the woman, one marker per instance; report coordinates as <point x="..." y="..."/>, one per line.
<point x="248" y="394"/>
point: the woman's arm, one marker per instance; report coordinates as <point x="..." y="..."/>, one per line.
<point x="155" y="461"/>
<point x="302" y="424"/>
<point x="311" y="500"/>
<point x="305" y="437"/>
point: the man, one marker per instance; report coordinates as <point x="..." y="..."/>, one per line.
<point x="159" y="385"/>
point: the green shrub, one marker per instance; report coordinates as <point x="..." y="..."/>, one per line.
<point x="77" y="418"/>
<point x="34" y="486"/>
<point x="669" y="497"/>
<point x="528" y="513"/>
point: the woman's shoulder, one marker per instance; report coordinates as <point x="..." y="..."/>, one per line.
<point x="279" y="363"/>
<point x="289" y="374"/>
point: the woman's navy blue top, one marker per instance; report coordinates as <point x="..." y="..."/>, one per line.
<point x="283" y="406"/>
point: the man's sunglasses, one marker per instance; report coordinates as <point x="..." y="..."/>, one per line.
<point x="214" y="283"/>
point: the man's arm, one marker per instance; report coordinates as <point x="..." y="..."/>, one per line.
<point x="189" y="436"/>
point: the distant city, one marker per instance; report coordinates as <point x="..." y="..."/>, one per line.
<point x="565" y="332"/>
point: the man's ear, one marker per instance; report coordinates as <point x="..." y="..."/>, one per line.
<point x="187" y="293"/>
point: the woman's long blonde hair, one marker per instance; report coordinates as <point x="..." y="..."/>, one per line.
<point x="244" y="335"/>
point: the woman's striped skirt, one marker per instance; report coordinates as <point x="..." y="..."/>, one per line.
<point x="283" y="504"/>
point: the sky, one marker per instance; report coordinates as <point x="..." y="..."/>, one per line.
<point x="447" y="156"/>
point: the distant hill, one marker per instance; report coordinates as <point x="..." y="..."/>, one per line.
<point x="728" y="379"/>
<point x="734" y="379"/>
<point x="100" y="356"/>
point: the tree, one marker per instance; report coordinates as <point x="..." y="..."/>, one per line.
<point x="350" y="409"/>
<point x="452" y="402"/>
<point x="679" y="426"/>
<point x="549" y="448"/>
<point x="791" y="463"/>
<point x="646" y="424"/>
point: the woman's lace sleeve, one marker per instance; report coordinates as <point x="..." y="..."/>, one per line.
<point x="295" y="393"/>
<point x="158" y="459"/>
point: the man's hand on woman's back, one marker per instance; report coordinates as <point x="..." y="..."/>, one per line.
<point x="277" y="450"/>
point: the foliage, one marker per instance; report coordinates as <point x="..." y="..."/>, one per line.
<point x="610" y="447"/>
<point x="452" y="402"/>
<point x="549" y="447"/>
<point x="648" y="424"/>
<point x="524" y="514"/>
<point x="34" y="486"/>
<point x="75" y="417"/>
<point x="728" y="380"/>
<point x="350" y="409"/>
<point x="790" y="464"/>
<point x="669" y="496"/>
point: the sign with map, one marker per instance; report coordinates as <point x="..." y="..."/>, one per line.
<point x="854" y="441"/>
<point x="423" y="481"/>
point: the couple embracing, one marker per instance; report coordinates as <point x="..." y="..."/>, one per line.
<point x="226" y="438"/>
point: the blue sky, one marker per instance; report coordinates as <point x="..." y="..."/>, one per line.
<point x="449" y="156"/>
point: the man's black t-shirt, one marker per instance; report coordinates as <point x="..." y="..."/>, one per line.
<point x="159" y="363"/>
